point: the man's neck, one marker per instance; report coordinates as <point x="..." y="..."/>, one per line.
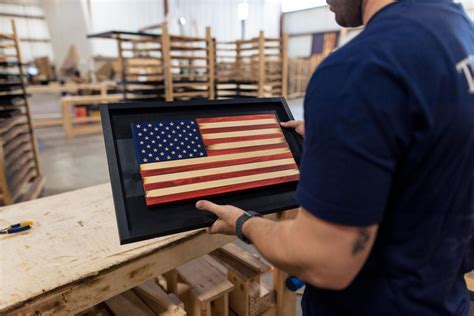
<point x="371" y="7"/>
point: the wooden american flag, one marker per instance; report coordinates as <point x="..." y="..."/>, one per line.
<point x="186" y="159"/>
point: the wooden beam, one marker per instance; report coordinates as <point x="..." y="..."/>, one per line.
<point x="261" y="64"/>
<point x="211" y="58"/>
<point x="24" y="16"/>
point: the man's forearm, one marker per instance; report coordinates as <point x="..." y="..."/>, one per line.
<point x="274" y="241"/>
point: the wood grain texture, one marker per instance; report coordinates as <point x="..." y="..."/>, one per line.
<point x="73" y="260"/>
<point x="221" y="190"/>
<point x="243" y="140"/>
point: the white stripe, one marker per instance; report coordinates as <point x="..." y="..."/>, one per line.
<point x="219" y="170"/>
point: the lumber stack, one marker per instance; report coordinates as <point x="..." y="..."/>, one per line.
<point x="20" y="174"/>
<point x="225" y="282"/>
<point x="252" y="68"/>
<point x="161" y="66"/>
<point x="299" y="73"/>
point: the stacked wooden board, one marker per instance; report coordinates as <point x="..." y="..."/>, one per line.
<point x="20" y="174"/>
<point x="164" y="66"/>
<point x="252" y="68"/>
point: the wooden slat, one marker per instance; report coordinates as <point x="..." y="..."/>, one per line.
<point x="187" y="48"/>
<point x="158" y="300"/>
<point x="23" y="149"/>
<point x="14" y="144"/>
<point x="128" y="303"/>
<point x="191" y="94"/>
<point x="183" y="57"/>
<point x="205" y="277"/>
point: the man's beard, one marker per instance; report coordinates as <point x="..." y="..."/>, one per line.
<point x="348" y="12"/>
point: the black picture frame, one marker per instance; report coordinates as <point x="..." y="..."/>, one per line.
<point x="138" y="222"/>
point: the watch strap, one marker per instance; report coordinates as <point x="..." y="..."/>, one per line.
<point x="240" y="223"/>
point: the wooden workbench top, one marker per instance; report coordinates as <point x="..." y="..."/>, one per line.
<point x="72" y="259"/>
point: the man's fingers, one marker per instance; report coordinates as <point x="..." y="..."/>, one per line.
<point x="290" y="124"/>
<point x="210" y="207"/>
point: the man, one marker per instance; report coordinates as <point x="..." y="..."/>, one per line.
<point x="387" y="177"/>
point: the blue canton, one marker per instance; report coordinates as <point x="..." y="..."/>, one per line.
<point x="167" y="140"/>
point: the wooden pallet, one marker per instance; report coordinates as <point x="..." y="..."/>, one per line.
<point x="21" y="178"/>
<point x="165" y="66"/>
<point x="260" y="64"/>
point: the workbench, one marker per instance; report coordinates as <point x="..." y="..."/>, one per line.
<point x="72" y="259"/>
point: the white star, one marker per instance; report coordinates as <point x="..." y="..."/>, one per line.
<point x="179" y="135"/>
<point x="186" y="138"/>
<point x="149" y="125"/>
<point x="151" y="133"/>
<point x="173" y="152"/>
<point x="187" y="126"/>
<point x="182" y="123"/>
<point x="201" y="154"/>
<point x="147" y="146"/>
<point x="190" y="134"/>
<point x="164" y="140"/>
<point x="184" y="151"/>
<point x="146" y="138"/>
<point x="199" y="146"/>
<point x="167" y="128"/>
<point x="145" y="160"/>
<point x="168" y="157"/>
<point x="171" y="144"/>
<point x="177" y="147"/>
<point x="195" y="150"/>
<point x="188" y="147"/>
<point x="175" y="139"/>
<point x="184" y="131"/>
<point x="150" y="155"/>
<point x="196" y="137"/>
<point x="156" y="158"/>
<point x="139" y="134"/>
<point x="141" y="143"/>
<point x="179" y="156"/>
<point x="177" y="127"/>
<point x="159" y="145"/>
<point x="162" y="154"/>
<point x="182" y="143"/>
<point x="156" y="128"/>
<point x="171" y="123"/>
<point x="190" y="155"/>
<point x="161" y="124"/>
<point x="155" y="150"/>
<point x="144" y="129"/>
<point x="174" y="132"/>
<point x="169" y="136"/>
<point x="143" y="151"/>
<point x="194" y="129"/>
<point x="166" y="148"/>
<point x="138" y="125"/>
<point x="162" y="133"/>
<point x="157" y="137"/>
<point x="192" y="142"/>
<point x="152" y="141"/>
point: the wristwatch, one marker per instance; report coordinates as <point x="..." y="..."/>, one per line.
<point x="240" y="223"/>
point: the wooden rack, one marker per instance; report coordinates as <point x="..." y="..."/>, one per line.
<point x="163" y="66"/>
<point x="20" y="173"/>
<point x="252" y="68"/>
<point x="299" y="73"/>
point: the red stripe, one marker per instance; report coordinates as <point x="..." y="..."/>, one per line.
<point x="218" y="152"/>
<point x="237" y="128"/>
<point x="228" y="175"/>
<point x="148" y="173"/>
<point x="235" y="118"/>
<point x="216" y="191"/>
<point x="208" y="142"/>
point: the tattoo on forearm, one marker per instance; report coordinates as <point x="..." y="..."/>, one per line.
<point x="361" y="242"/>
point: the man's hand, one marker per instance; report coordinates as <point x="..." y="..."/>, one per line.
<point x="298" y="126"/>
<point x="227" y="214"/>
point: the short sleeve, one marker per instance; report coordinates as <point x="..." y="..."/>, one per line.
<point x="357" y="124"/>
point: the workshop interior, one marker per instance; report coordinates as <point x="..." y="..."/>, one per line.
<point x="117" y="116"/>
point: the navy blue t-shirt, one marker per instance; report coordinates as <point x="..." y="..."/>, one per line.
<point x="389" y="140"/>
